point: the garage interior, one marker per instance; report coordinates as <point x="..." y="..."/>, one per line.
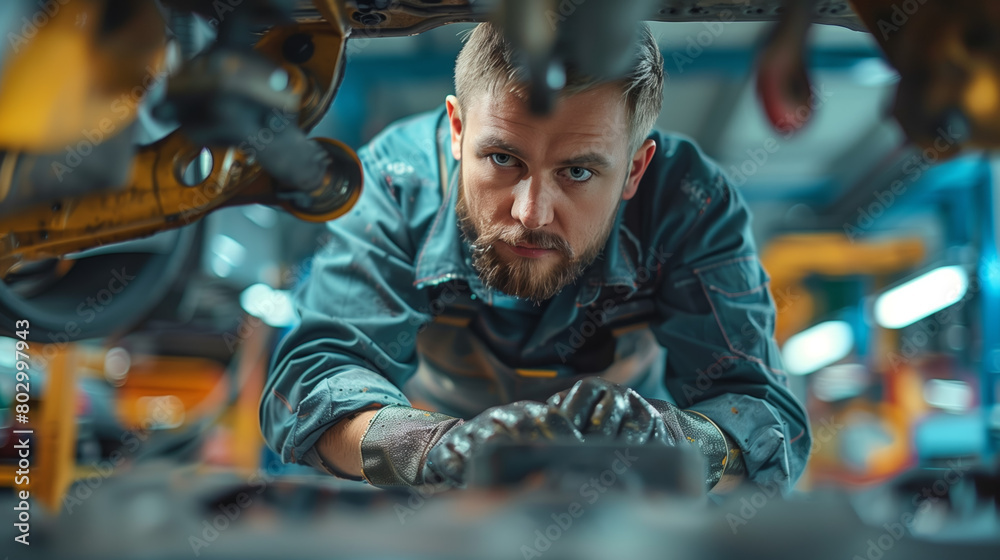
<point x="150" y="265"/>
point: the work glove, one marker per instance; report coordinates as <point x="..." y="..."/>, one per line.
<point x="394" y="447"/>
<point x="409" y="447"/>
<point x="602" y="410"/>
<point x="516" y="423"/>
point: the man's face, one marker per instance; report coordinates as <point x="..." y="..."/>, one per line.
<point x="538" y="195"/>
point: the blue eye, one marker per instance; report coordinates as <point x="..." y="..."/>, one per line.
<point x="503" y="160"/>
<point x="580" y="174"/>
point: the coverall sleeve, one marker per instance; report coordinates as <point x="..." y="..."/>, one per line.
<point x="716" y="320"/>
<point x="354" y="344"/>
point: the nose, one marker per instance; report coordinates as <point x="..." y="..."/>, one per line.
<point x="532" y="204"/>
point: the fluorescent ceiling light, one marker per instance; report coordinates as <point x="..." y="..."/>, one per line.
<point x="920" y="297"/>
<point x="229" y="250"/>
<point x="874" y="72"/>
<point x="841" y="381"/>
<point x="274" y="307"/>
<point x="817" y="347"/>
<point x="951" y="395"/>
<point x="261" y="215"/>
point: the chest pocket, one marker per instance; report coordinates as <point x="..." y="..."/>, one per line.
<point x="600" y="336"/>
<point x="737" y="292"/>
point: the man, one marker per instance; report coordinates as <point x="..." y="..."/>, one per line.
<point x="531" y="278"/>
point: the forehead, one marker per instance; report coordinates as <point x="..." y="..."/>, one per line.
<point x="594" y="120"/>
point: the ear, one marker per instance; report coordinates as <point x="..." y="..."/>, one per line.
<point x="640" y="161"/>
<point x="455" y="120"/>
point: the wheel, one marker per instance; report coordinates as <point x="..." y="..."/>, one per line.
<point x="94" y="293"/>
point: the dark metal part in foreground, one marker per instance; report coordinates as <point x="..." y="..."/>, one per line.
<point x="416" y="16"/>
<point x="675" y="470"/>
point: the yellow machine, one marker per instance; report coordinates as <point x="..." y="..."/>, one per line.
<point x="156" y="196"/>
<point x="75" y="83"/>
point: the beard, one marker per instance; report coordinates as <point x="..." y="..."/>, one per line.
<point x="524" y="277"/>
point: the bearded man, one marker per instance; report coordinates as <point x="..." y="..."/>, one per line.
<point x="513" y="277"/>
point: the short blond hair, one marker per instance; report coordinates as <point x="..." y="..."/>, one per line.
<point x="486" y="65"/>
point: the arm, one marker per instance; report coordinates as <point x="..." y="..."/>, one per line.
<point x="340" y="445"/>
<point x="717" y="324"/>
<point x="355" y="342"/>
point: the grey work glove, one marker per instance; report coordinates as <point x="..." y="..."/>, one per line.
<point x="601" y="409"/>
<point x="408" y="447"/>
<point x="394" y="448"/>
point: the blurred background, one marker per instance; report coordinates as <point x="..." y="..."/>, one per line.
<point x="883" y="262"/>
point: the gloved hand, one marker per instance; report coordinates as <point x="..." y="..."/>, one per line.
<point x="404" y="446"/>
<point x="518" y="422"/>
<point x="604" y="410"/>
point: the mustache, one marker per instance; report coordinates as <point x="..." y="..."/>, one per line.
<point x="517" y="235"/>
<point x="482" y="239"/>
